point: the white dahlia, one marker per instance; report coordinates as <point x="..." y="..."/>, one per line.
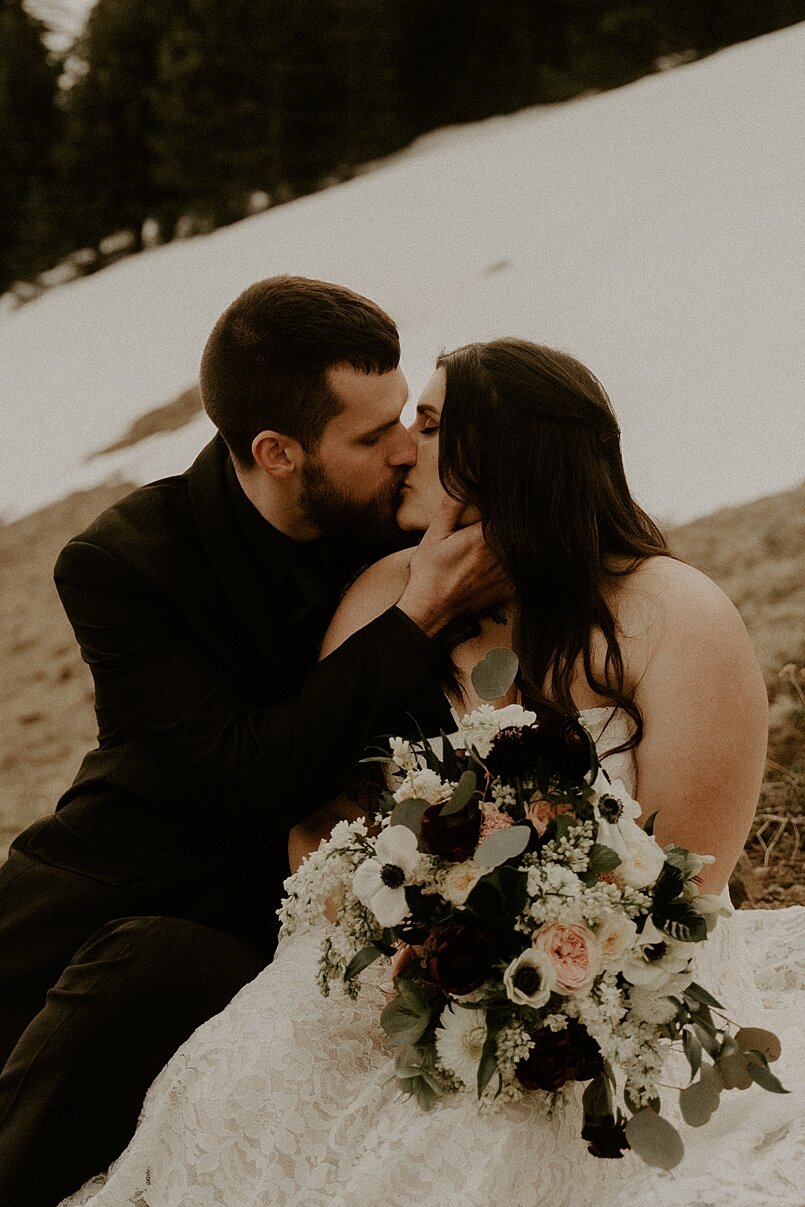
<point x="460" y="1040"/>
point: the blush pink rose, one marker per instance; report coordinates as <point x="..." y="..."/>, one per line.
<point x="575" y="953"/>
<point x="540" y="812"/>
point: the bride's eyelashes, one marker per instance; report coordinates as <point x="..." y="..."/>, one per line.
<point x="428" y="428"/>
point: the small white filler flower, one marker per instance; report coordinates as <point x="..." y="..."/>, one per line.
<point x="379" y="883"/>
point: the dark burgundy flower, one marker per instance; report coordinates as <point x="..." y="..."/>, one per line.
<point x="453" y="837"/>
<point x="560" y="1056"/>
<point x="514" y="753"/>
<point x="462" y="959"/>
<point x="606" y="1137"/>
<point x="565" y="746"/>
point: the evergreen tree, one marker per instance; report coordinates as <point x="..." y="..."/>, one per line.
<point x="28" y="129"/>
<point x="105" y="158"/>
<point x="215" y="136"/>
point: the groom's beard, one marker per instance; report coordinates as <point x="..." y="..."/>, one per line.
<point x="334" y="511"/>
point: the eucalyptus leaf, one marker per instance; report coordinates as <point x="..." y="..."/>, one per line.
<point x="654" y="1139"/>
<point x="693" y="1052"/>
<point x="758" y="1039"/>
<point x="708" y="1075"/>
<point x="697" y="1103"/>
<point x="733" y="1069"/>
<point x="462" y="794"/>
<point x="493" y="675"/>
<point x="763" y="1076"/>
<point x="698" y="994"/>
<point x="409" y="813"/>
<point x="362" y="959"/>
<point x="502" y="845"/>
<point x="706" y="1038"/>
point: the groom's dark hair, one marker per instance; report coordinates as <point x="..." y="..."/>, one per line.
<point x="266" y="360"/>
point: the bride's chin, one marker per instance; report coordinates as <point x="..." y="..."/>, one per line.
<point x="411" y="518"/>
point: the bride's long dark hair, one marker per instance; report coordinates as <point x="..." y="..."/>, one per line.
<point x="528" y="435"/>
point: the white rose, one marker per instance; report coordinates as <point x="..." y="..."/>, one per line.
<point x="460" y="880"/>
<point x="641" y="856"/>
<point x="615" y="935"/>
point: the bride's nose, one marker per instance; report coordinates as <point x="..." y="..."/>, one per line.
<point x="403" y="450"/>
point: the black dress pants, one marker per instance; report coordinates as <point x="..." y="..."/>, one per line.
<point x="91" y="1008"/>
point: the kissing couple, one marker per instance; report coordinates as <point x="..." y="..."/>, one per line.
<point x="252" y="626"/>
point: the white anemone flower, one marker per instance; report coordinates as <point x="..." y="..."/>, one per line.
<point x="379" y="883"/>
<point x="530" y="979"/>
<point x="460" y="1039"/>
<point x="656" y="959"/>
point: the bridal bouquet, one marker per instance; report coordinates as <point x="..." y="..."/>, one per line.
<point x="540" y="936"/>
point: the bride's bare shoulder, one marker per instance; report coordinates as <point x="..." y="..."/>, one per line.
<point x="375" y="590"/>
<point x="666" y="606"/>
<point x="671" y="589"/>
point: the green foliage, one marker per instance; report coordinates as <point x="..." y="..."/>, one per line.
<point x="681" y="921"/>
<point x="697" y="1103"/>
<point x="410" y="813"/>
<point x="654" y="1139"/>
<point x="495" y="673"/>
<point x="501" y="845"/>
<point x="415" y="1072"/>
<point x="406" y="1018"/>
<point x="29" y="127"/>
<point x="183" y="112"/>
<point x="462" y="794"/>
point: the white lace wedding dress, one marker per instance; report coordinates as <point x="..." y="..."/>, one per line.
<point x="283" y="1100"/>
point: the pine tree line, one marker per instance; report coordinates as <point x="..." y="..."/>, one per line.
<point x="183" y="115"/>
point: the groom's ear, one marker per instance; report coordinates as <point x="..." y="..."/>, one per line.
<point x="277" y="455"/>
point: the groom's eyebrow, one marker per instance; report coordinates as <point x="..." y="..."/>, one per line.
<point x="379" y="430"/>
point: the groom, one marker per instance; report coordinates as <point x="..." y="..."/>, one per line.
<point x="147" y="900"/>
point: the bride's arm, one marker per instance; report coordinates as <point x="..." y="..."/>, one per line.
<point x="377" y="589"/>
<point x="705" y="712"/>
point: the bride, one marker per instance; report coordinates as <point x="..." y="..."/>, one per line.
<point x="284" y="1098"/>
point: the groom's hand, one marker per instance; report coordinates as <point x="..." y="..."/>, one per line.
<point x="452" y="573"/>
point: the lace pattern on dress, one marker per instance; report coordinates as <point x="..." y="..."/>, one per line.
<point x="284" y="1100"/>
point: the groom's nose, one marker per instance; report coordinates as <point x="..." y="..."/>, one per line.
<point x="403" y="448"/>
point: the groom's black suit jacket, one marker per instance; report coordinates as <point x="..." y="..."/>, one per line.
<point x="218" y="730"/>
<point x="138" y="909"/>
